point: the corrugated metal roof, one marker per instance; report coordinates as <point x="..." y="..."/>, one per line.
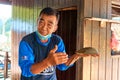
<point x="6" y="2"/>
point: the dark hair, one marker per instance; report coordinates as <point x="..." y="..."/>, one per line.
<point x="50" y="11"/>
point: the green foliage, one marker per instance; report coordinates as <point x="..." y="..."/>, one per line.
<point x="8" y="25"/>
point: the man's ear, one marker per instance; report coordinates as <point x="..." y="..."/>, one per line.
<point x="55" y="28"/>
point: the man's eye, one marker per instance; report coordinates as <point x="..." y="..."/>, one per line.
<point x="50" y="25"/>
<point x="41" y="22"/>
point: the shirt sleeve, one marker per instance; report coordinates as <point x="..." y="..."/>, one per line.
<point x="61" y="48"/>
<point x="26" y="59"/>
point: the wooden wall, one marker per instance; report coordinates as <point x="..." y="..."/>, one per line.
<point x="106" y="67"/>
<point x="89" y="33"/>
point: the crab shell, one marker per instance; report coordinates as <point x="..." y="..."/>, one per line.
<point x="87" y="50"/>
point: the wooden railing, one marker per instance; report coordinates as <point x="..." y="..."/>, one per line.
<point x="6" y="62"/>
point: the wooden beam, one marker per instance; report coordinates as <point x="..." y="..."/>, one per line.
<point x="116" y="3"/>
<point x="115" y="6"/>
<point x="68" y="8"/>
<point x="115" y="15"/>
<point x="101" y="20"/>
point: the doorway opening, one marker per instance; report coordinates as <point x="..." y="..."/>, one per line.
<point x="67" y="29"/>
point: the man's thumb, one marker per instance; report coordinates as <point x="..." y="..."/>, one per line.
<point x="54" y="49"/>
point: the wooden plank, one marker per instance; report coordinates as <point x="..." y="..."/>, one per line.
<point x="12" y="41"/>
<point x="79" y="39"/>
<point x="103" y="5"/>
<point x="95" y="8"/>
<point x="119" y="69"/>
<point x="116" y="3"/>
<point x="87" y="8"/>
<point x="114" y="69"/>
<point x="108" y="49"/>
<point x="108" y="60"/>
<point x="102" y="47"/>
<point x="38" y="3"/>
<point x="95" y="40"/>
<point x="109" y="10"/>
<point x="15" y="70"/>
<point x="68" y="8"/>
<point x="30" y="15"/>
<point x="115" y="15"/>
<point x="55" y="4"/>
<point x="68" y="2"/>
<point x="23" y="26"/>
<point x="44" y="3"/>
<point x="87" y="43"/>
<point x="101" y="19"/>
<point x="87" y="39"/>
<point x="95" y="44"/>
<point x="21" y="14"/>
<point x="36" y="12"/>
<point x="18" y="31"/>
<point x="27" y="18"/>
<point x="50" y="3"/>
<point x="62" y="3"/>
<point x="108" y="54"/>
<point x="75" y="2"/>
<point x="114" y="6"/>
<point x="17" y="74"/>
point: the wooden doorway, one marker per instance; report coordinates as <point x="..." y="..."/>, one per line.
<point x="67" y="30"/>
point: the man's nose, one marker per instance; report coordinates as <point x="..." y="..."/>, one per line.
<point x="44" y="27"/>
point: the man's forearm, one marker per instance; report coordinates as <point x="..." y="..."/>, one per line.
<point x="40" y="66"/>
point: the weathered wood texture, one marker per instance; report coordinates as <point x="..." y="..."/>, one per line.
<point x="105" y="67"/>
<point x="88" y="33"/>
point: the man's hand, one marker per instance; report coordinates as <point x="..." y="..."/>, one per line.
<point x="76" y="56"/>
<point x="56" y="58"/>
<point x="72" y="59"/>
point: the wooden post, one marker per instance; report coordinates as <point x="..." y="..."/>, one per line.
<point x="6" y="65"/>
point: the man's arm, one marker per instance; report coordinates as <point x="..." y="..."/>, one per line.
<point x="53" y="59"/>
<point x="26" y="60"/>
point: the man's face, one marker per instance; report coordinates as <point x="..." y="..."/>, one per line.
<point x="47" y="24"/>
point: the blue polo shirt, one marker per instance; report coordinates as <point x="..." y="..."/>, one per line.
<point x="32" y="50"/>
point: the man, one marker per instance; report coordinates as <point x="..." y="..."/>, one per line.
<point x="41" y="52"/>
